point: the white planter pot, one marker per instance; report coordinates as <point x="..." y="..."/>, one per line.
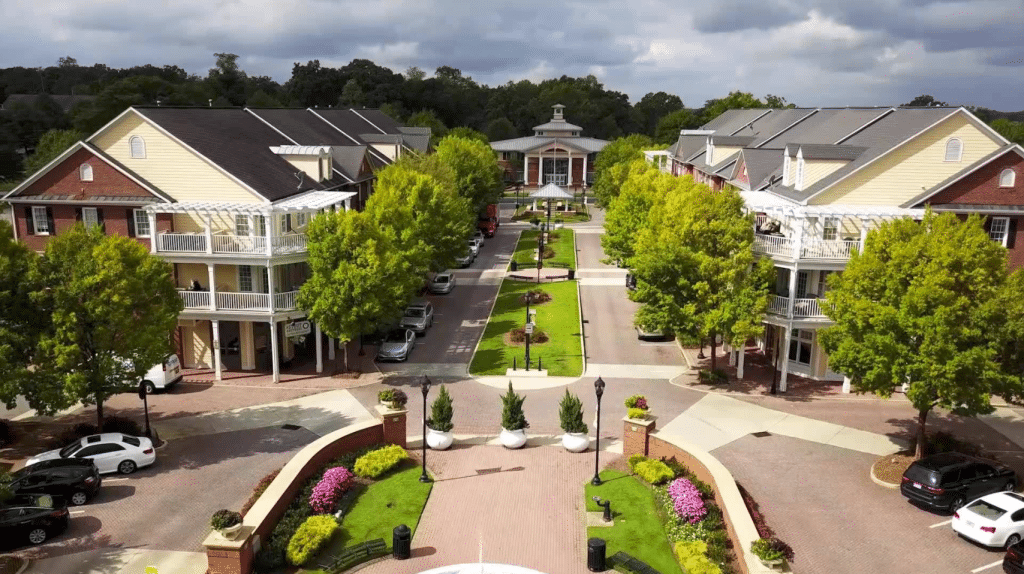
<point x="438" y="440"/>
<point x="231" y="532"/>
<point x="575" y="441"/>
<point x="513" y="438"/>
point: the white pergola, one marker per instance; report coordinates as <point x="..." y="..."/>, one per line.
<point x="763" y="201"/>
<point x="549" y="192"/>
<point x="309" y="202"/>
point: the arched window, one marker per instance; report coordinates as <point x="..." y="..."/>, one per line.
<point x="954" y="149"/>
<point x="137" y="146"/>
<point x="85" y="172"/>
<point x="1007" y="178"/>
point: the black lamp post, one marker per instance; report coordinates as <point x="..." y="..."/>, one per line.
<point x="425" y="388"/>
<point x="598" y="390"/>
<point x="145" y="405"/>
<point x="526" y="328"/>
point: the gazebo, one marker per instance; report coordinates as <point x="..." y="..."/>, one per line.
<point x="548" y="193"/>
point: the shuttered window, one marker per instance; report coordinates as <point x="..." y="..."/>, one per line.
<point x="90" y="217"/>
<point x="40" y="221"/>
<point x="954" y="149"/>
<point x="999" y="230"/>
<point x="137" y="147"/>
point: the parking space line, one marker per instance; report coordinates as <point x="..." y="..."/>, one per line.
<point x="941" y="523"/>
<point x="76" y="512"/>
<point x="992" y="565"/>
<point x="114" y="479"/>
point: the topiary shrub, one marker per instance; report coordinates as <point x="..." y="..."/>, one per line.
<point x="328" y="491"/>
<point x="634" y="460"/>
<point x="225" y="519"/>
<point x="536" y="296"/>
<point x="570" y="414"/>
<point x="518" y="335"/>
<point x="309" y="538"/>
<point x="693" y="558"/>
<point x="122" y="425"/>
<point x="512" y="416"/>
<point x="653" y="471"/>
<point x="441" y="412"/>
<point x="376" y="463"/>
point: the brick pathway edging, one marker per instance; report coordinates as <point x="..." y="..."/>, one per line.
<point x="879" y="481"/>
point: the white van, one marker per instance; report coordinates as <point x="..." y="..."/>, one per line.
<point x="163" y="375"/>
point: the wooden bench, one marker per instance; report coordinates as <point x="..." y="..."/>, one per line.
<point x="353" y="555"/>
<point x="623" y="562"/>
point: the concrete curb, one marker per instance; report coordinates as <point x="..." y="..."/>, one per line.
<point x="608" y="444"/>
<point x="879" y="481"/>
<point x="25" y="564"/>
<point x="683" y="353"/>
<point x="491" y="312"/>
<point x="583" y="342"/>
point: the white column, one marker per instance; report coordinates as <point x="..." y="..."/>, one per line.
<point x="526" y="169"/>
<point x="846" y="384"/>
<point x="863" y="233"/>
<point x="732" y="357"/>
<point x="798" y="240"/>
<point x="793" y="274"/>
<point x="268" y="225"/>
<point x="216" y="348"/>
<point x="540" y="169"/>
<point x="209" y="233"/>
<point x="585" y="169"/>
<point x="152" y="232"/>
<point x="246" y="345"/>
<point x="270" y="286"/>
<point x="330" y="348"/>
<point x="569" y="179"/>
<point x="319" y="350"/>
<point x="739" y="362"/>
<point x="274" y="358"/>
<point x="212" y="278"/>
<point x="787" y="334"/>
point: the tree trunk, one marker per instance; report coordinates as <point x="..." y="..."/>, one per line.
<point x="922" y="417"/>
<point x="99" y="412"/>
<point x="345" y="352"/>
<point x="714" y="345"/>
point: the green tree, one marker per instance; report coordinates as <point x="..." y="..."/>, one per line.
<point x="912" y="309"/>
<point x="52" y="144"/>
<point x="672" y="123"/>
<point x="261" y="99"/>
<point x="359" y="281"/>
<point x="227" y="79"/>
<point x="501" y="129"/>
<point x="924" y="101"/>
<point x="351" y="95"/>
<point x="475" y="170"/>
<point x="654" y="106"/>
<point x="620" y="151"/>
<point x="643" y="187"/>
<point x="1007" y="310"/>
<point x="734" y="101"/>
<point x="428" y="119"/>
<point x="19" y="321"/>
<point x="1011" y="130"/>
<point x="413" y="73"/>
<point x="777" y="102"/>
<point x="469" y="133"/>
<point x="393" y="110"/>
<point x="696" y="256"/>
<point x="110" y="307"/>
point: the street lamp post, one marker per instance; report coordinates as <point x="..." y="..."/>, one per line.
<point x="598" y="390"/>
<point x="425" y="388"/>
<point x="527" y="330"/>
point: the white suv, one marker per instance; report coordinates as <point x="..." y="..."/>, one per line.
<point x="163" y="375"/>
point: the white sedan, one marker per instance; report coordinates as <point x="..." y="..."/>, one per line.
<point x="110" y="452"/>
<point x="992" y="520"/>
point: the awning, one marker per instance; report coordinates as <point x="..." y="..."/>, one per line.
<point x="310" y="201"/>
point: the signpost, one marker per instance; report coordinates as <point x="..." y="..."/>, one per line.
<point x="529" y="331"/>
<point x="297" y="328"/>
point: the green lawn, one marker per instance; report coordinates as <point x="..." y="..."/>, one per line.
<point x="398" y="498"/>
<point x="580" y="214"/>
<point x="564" y="247"/>
<point x="562" y="355"/>
<point x="638" y="530"/>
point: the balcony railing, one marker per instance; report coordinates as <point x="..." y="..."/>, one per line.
<point x="773" y="245"/>
<point x="285" y="301"/>
<point x="837" y="249"/>
<point x="195" y="299"/>
<point x="230" y="244"/>
<point x="802" y="308"/>
<point x="778" y="305"/>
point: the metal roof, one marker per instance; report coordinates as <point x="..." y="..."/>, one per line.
<point x="828" y="126"/>
<point x="730" y="121"/>
<point x="530" y="143"/>
<point x="558" y="125"/>
<point x="732" y="140"/>
<point x="823" y="151"/>
<point x="551" y="191"/>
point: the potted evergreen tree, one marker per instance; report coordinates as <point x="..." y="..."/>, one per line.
<point x="227" y="523"/>
<point x="513" y="420"/>
<point x="570" y="416"/>
<point x="439" y="425"/>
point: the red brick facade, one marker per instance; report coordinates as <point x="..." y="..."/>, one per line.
<point x="982" y="188"/>
<point x="64" y="183"/>
<point x="531" y="171"/>
<point x="577" y="170"/>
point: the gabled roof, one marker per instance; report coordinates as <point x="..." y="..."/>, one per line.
<point x="727" y="171"/>
<point x="349" y="160"/>
<point x="771" y="125"/>
<point x="352" y="125"/>
<point x="551" y="191"/>
<point x="732" y="140"/>
<point x="416" y="138"/>
<point x="238" y="143"/>
<point x="687" y="146"/>
<point x="825" y="151"/>
<point x="530" y="143"/>
<point x="927" y="194"/>
<point x="81" y="145"/>
<point x="828" y="126"/>
<point x="762" y="165"/>
<point x="730" y="121"/>
<point x="382" y="138"/>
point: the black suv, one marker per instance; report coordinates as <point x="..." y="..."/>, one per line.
<point x="948" y="480"/>
<point x="32" y="519"/>
<point x="1013" y="562"/>
<point x="74" y="479"/>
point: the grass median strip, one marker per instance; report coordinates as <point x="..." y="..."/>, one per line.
<point x="563" y="244"/>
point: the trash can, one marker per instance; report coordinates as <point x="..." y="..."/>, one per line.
<point x="572" y="274"/>
<point x="514" y="266"/>
<point x="596" y="555"/>
<point x="401" y="542"/>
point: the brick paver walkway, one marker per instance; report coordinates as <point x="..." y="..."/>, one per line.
<point x="522" y="507"/>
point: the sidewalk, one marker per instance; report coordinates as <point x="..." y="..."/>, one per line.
<point x="122" y="561"/>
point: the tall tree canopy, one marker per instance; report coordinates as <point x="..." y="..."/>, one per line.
<point x="914" y="308"/>
<point x="654" y="106"/>
<point x="52" y="144"/>
<point x="474" y="166"/>
<point x="734" y="101"/>
<point x="19" y="323"/>
<point x="643" y="186"/>
<point x="621" y="151"/>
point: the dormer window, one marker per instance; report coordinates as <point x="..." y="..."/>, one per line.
<point x="786" y="164"/>
<point x="85" y="172"/>
<point x="137" y="147"/>
<point x="1007" y="178"/>
<point x="954" y="149"/>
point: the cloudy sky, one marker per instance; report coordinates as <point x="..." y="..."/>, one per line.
<point x="812" y="52"/>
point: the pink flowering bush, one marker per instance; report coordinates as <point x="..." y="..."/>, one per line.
<point x="686" y="500"/>
<point x="328" y="491"/>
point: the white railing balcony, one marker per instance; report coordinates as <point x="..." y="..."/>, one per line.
<point x="840" y="249"/>
<point x="181" y="242"/>
<point x="773" y="245"/>
<point x="556" y="178"/>
<point x="807" y="309"/>
<point x="778" y="305"/>
<point x="243" y="301"/>
<point x="253" y="244"/>
<point x="195" y="299"/>
<point x="285" y="301"/>
<point x="291" y="243"/>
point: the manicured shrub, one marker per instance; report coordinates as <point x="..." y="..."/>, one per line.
<point x="693" y="558"/>
<point x="512" y="416"/>
<point x="441" y="412"/>
<point x="761" y="523"/>
<point x="678" y="468"/>
<point x="638" y="414"/>
<point x="570" y="414"/>
<point x="225" y="519"/>
<point x="687" y="500"/>
<point x="634" y="460"/>
<point x="393" y="397"/>
<point x="328" y="491"/>
<point x="713" y="377"/>
<point x="653" y="471"/>
<point x="376" y="463"/>
<point x="309" y="538"/>
<point x="70" y="435"/>
<point x="6" y="433"/>
<point x="518" y="335"/>
<point x="637" y="402"/>
<point x="122" y="425"/>
<point x="766" y="549"/>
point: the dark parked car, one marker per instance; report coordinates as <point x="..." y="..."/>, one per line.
<point x="1013" y="562"/>
<point x="32" y="520"/>
<point x="948" y="480"/>
<point x="74" y="479"/>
